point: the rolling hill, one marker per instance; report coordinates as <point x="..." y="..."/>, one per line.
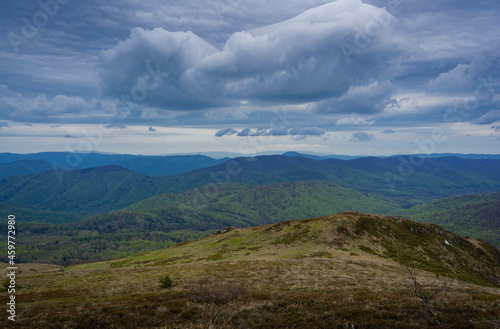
<point x="432" y="179"/>
<point x="425" y="246"/>
<point x="25" y="214"/>
<point x="254" y="205"/>
<point x="347" y="270"/>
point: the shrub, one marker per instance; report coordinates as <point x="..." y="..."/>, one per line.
<point x="166" y="282"/>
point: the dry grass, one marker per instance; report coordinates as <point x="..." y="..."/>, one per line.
<point x="287" y="293"/>
<point x="316" y="275"/>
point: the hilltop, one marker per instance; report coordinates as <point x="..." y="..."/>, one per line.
<point x="425" y="246"/>
<point x="346" y="270"/>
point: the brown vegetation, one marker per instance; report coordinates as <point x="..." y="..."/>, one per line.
<point x="320" y="273"/>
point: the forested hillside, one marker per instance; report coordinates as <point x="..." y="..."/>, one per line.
<point x="476" y="215"/>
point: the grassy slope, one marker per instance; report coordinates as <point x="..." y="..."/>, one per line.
<point x="334" y="272"/>
<point x="425" y="246"/>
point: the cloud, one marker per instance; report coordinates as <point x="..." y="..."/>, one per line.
<point x="242" y="59"/>
<point x="496" y="128"/>
<point x="148" y="68"/>
<point x="115" y="126"/>
<point x="364" y="99"/>
<point x="388" y="131"/>
<point x="69" y="136"/>
<point x="282" y="131"/>
<point x="4" y="124"/>
<point x="225" y="132"/>
<point x="354" y="121"/>
<point x="17" y="107"/>
<point x="463" y="77"/>
<point x="244" y="133"/>
<point x="361" y="137"/>
<point x="152" y="129"/>
<point x="308" y="131"/>
<point x="488" y="118"/>
<point x="265" y="66"/>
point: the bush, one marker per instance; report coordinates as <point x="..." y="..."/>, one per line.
<point x="210" y="291"/>
<point x="166" y="282"/>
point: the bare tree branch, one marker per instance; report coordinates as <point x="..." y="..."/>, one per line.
<point x="426" y="297"/>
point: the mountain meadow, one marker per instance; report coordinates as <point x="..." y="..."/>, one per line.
<point x="348" y="270"/>
<point x="255" y="242"/>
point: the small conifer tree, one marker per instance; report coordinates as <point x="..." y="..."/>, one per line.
<point x="166" y="282"/>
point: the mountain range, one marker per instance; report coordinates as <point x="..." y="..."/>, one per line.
<point x="103" y="189"/>
<point x="18" y="164"/>
<point x="128" y="212"/>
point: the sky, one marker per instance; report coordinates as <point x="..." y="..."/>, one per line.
<point x="349" y="77"/>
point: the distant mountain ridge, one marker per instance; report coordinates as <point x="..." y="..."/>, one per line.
<point x="158" y="165"/>
<point x="93" y="191"/>
<point x="148" y="165"/>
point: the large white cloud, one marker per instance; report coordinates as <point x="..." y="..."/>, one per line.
<point x="148" y="67"/>
<point x="304" y="59"/>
